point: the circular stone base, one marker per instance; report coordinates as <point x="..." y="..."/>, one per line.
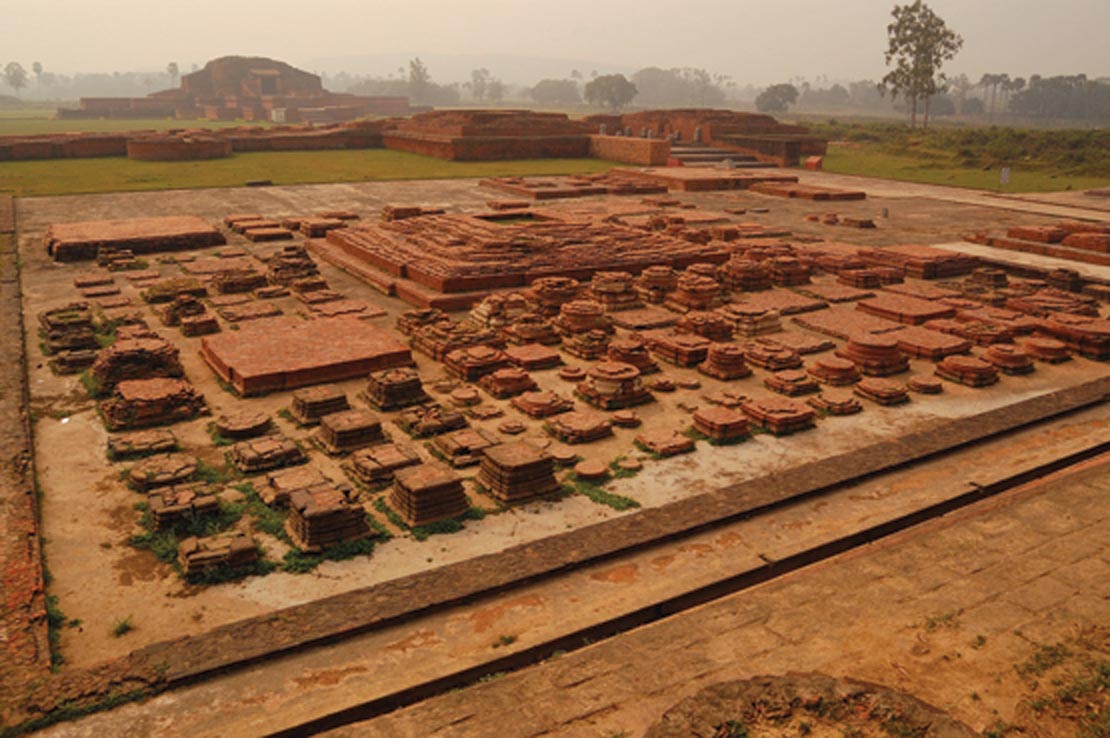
<point x="591" y="471"/>
<point x="162" y="470"/>
<point x="244" y="424"/>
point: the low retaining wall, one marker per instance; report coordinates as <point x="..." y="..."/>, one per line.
<point x="644" y="152"/>
<point x="489" y="148"/>
<point x="62" y="147"/>
<point x="177" y="149"/>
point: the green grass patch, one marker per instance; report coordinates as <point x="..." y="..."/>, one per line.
<point x="390" y="514"/>
<point x="596" y="493"/>
<point x="55" y="621"/>
<point x="92" y="387"/>
<point x="79" y="176"/>
<point x="225" y="574"/>
<point x="1044" y="658"/>
<point x="423" y="532"/>
<point x="217" y="438"/>
<point x="619" y="473"/>
<point x="36" y="121"/>
<point x="948" y="619"/>
<point x="71" y="710"/>
<point x="906" y="168"/>
<point x="214" y="475"/>
<point x="453" y="525"/>
<point x="163" y="543"/>
<point x="123" y="626"/>
<point x="299" y="562"/>
<point x="696" y="435"/>
<point x="964" y="156"/>
<point x="229" y="388"/>
<point x="263" y="517"/>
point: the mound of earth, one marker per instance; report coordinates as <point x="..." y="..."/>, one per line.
<point x="814" y="705"/>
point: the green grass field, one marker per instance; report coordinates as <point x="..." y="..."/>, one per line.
<point x="83" y="176"/>
<point x="1041" y="161"/>
<point x="965" y="156"/>
<point x="28" y="122"/>
<point x="871" y="162"/>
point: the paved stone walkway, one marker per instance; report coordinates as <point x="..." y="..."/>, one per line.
<point x="944" y="611"/>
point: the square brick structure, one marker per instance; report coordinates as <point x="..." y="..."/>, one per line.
<point x="428" y="493"/>
<point x="323" y="516"/>
<point x="379" y="463"/>
<point x="517" y="471"/>
<point x="281" y="354"/>
<point x="77" y="241"/>
<point x="349" y="430"/>
<point x="233" y="548"/>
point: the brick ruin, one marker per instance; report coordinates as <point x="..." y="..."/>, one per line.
<point x="312" y="351"/>
<point x="755" y="135"/>
<point x="454" y="253"/>
<point x="82" y="240"/>
<point x="136" y="358"/>
<point x="377" y="464"/>
<point x="349" y="430"/>
<point x="612" y="385"/>
<point x="311" y="405"/>
<point x="427" y="493"/>
<point x="251" y="88"/>
<point x="196" y="555"/>
<point x="138" y="403"/>
<point x="321" y="517"/>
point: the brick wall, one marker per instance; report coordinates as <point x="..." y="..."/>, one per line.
<point x="489" y="148"/>
<point x="175" y="149"/>
<point x="648" y="152"/>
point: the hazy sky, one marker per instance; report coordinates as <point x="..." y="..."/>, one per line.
<point x="757" y="42"/>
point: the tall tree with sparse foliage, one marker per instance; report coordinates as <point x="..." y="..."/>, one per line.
<point x="174" y="71"/>
<point x="419" y="80"/>
<point x="919" y="42"/>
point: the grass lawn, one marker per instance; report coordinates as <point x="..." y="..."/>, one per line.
<point x="82" y="176"/>
<point x="34" y="121"/>
<point x="867" y="161"/>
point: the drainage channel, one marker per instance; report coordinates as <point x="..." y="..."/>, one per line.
<point x="663" y="608"/>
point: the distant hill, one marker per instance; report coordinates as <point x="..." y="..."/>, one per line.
<point x="446" y="68"/>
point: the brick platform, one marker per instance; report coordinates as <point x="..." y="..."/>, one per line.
<point x="77" y="241"/>
<point x="281" y="353"/>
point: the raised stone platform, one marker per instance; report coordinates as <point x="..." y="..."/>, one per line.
<point x="77" y="241"/>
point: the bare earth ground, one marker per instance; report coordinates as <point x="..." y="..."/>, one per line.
<point x="88" y="514"/>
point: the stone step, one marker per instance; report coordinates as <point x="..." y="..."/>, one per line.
<point x="719" y="156"/>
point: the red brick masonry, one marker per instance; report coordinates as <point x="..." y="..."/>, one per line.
<point x="284" y="353"/>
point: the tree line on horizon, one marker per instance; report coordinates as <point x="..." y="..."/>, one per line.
<point x="919" y="43"/>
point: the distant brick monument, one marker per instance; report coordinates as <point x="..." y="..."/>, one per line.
<point x="246" y="87"/>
